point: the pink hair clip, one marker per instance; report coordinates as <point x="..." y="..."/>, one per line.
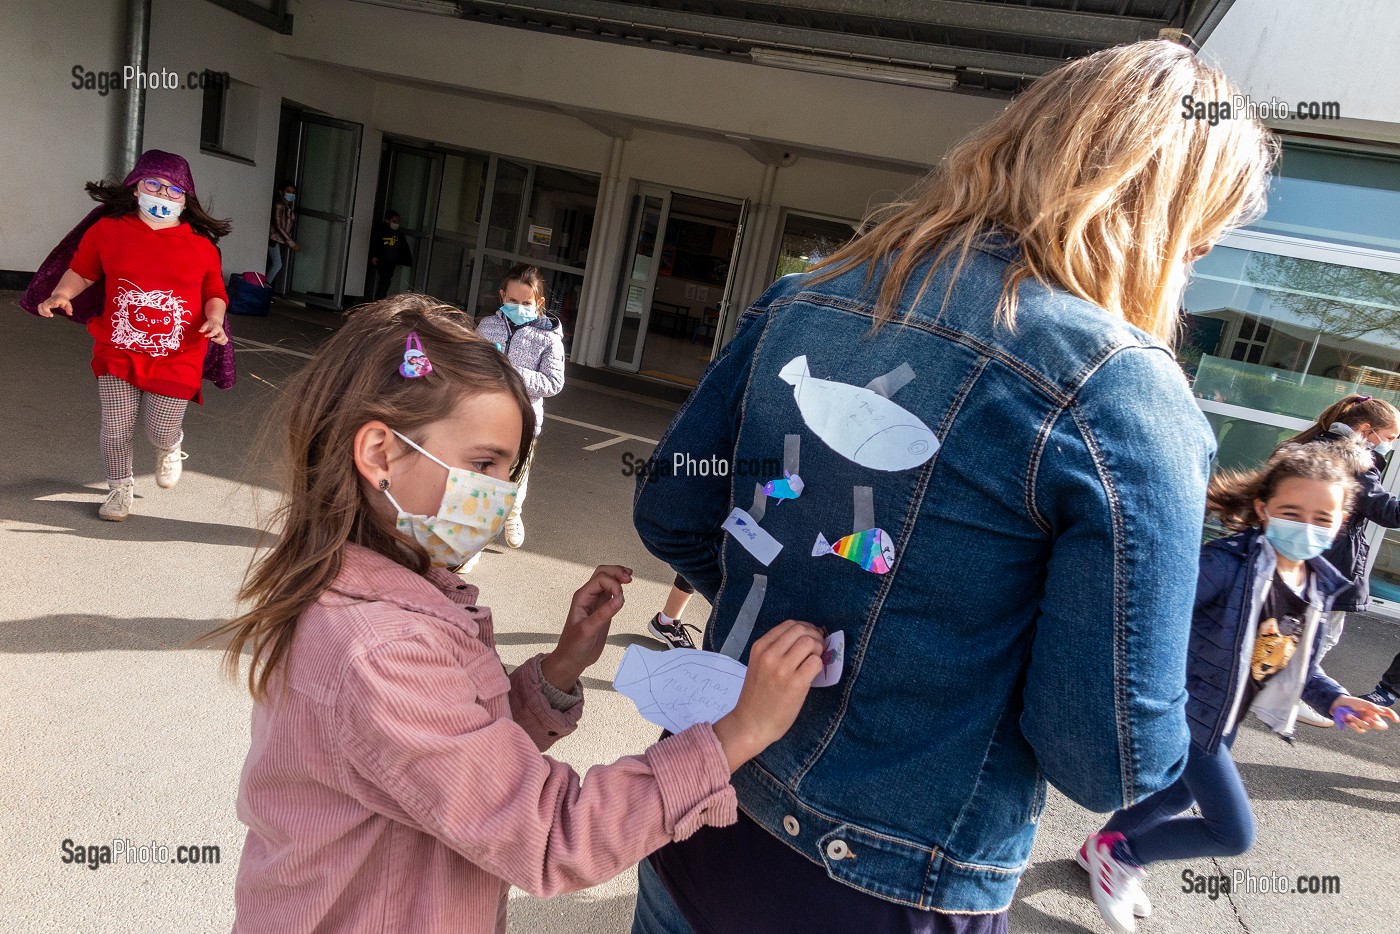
<point x="415" y="361"/>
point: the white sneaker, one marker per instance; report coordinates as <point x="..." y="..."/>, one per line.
<point x="1312" y="718"/>
<point x="1114" y="885"/>
<point x="169" y="466"/>
<point x="118" y="504"/>
<point x="1142" y="905"/>
<point x="515" y="531"/>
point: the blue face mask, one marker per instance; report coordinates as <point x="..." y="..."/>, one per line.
<point x="519" y="314"/>
<point x="1383" y="448"/>
<point x="1300" y="541"/>
<point x="288" y="197"/>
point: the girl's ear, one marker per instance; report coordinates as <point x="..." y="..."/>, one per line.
<point x="1261" y="511"/>
<point x="374" y="447"/>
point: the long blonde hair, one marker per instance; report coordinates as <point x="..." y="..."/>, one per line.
<point x="1095" y="175"/>
<point x="355" y="379"/>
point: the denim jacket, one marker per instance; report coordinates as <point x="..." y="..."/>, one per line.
<point x="1034" y="622"/>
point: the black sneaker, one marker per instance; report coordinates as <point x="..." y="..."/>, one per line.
<point x="673" y="634"/>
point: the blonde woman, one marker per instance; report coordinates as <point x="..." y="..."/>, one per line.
<point x="984" y="390"/>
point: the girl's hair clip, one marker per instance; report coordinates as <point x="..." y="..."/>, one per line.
<point x="415" y="361"/>
<point x="1361" y="399"/>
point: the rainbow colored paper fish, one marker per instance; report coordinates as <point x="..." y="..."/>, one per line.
<point x="790" y="487"/>
<point x="870" y="549"/>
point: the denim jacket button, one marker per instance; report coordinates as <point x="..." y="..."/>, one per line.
<point x="837" y="849"/>
<point x="791" y="826"/>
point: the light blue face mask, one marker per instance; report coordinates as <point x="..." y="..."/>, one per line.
<point x="519" y="314"/>
<point x="1300" y="541"/>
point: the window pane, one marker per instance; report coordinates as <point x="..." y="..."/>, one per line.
<point x="560" y="219"/>
<point x="1337" y="197"/>
<point x="505" y="206"/>
<point x="808" y="240"/>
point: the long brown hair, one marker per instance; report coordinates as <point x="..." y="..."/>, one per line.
<point x="1095" y="175"/>
<point x="354" y="379"/>
<point x="1232" y="494"/>
<point x="1351" y="411"/>
<point x="120" y="200"/>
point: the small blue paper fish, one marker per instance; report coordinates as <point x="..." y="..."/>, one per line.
<point x="870" y="549"/>
<point x="790" y="487"/>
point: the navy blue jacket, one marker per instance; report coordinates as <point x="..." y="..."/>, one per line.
<point x="1222" y="630"/>
<point x="1348" y="552"/>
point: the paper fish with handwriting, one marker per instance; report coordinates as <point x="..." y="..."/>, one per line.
<point x="790" y="487"/>
<point x="870" y="549"/>
<point x="678" y="688"/>
<point x="859" y="423"/>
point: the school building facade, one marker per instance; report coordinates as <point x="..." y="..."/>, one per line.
<point x="664" y="162"/>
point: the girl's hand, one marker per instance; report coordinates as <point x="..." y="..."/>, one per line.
<point x="782" y="665"/>
<point x="586" y="628"/>
<point x="1368" y="716"/>
<point x="213" y="328"/>
<point x="55" y="303"/>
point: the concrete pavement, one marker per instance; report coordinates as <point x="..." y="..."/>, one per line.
<point x="115" y="729"/>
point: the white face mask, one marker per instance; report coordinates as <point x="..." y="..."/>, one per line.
<point x="393" y="225"/>
<point x="474" y="507"/>
<point x="160" y="209"/>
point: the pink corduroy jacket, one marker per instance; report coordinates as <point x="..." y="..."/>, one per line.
<point x="396" y="782"/>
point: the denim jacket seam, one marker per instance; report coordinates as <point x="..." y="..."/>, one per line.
<point x="1042" y="439"/>
<point x="1029" y="374"/>
<point x="724" y="539"/>
<point x="1123" y="723"/>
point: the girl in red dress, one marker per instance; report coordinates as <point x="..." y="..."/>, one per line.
<point x="164" y="301"/>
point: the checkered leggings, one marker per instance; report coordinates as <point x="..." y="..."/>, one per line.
<point x="120" y="403"/>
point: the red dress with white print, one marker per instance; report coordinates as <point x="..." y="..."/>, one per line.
<point x="157" y="282"/>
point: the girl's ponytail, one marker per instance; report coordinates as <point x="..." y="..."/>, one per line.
<point x="1351" y="411"/>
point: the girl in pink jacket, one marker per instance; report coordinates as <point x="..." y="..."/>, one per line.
<point x="396" y="780"/>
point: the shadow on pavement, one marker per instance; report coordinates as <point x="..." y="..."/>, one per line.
<point x="79" y="517"/>
<point x="96" y="633"/>
<point x="1285" y="783"/>
<point x="1059" y="875"/>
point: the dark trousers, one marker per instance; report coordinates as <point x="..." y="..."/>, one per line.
<point x="1226" y="824"/>
<point x="1391" y="679"/>
<point x="383" y="275"/>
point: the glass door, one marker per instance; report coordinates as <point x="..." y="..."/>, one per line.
<point x="327" y="167"/>
<point x="412" y="192"/>
<point x="449" y="262"/>
<point x="650" y="207"/>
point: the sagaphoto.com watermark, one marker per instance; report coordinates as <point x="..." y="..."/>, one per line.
<point x="1244" y="107"/>
<point x="125" y="852"/>
<point x="1248" y="882"/>
<point x="131" y="78"/>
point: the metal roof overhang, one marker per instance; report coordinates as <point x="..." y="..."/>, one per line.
<point x="987" y="46"/>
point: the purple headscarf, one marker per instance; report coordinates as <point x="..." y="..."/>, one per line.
<point x="218" y="362"/>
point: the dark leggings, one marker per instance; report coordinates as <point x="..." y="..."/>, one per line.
<point x="1391" y="679"/>
<point x="682" y="585"/>
<point x="1226" y="824"/>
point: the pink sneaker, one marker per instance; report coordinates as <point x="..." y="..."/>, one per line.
<point x="1115" y="885"/>
<point x="1142" y="905"/>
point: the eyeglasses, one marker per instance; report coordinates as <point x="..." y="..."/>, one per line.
<point x="153" y="186"/>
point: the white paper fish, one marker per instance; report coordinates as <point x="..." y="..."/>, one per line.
<point x="858" y="423"/>
<point x="679" y="688"/>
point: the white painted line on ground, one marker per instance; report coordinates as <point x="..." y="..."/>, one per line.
<point x="253" y="345"/>
<point x="621" y="435"/>
<point x="604" y="444"/>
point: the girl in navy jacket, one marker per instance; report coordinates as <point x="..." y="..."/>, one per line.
<point x="1255" y="634"/>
